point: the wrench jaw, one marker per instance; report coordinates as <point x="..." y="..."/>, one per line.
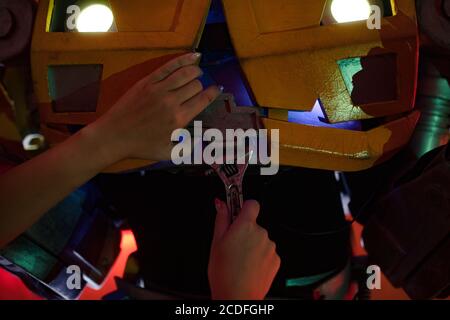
<point x="233" y="189"/>
<point x="223" y="114"/>
<point x="232" y="175"/>
<point x="235" y="201"/>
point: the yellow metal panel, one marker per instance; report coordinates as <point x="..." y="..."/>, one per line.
<point x="147" y="16"/>
<point x="294" y="17"/>
<point x="149" y="32"/>
<point x="340" y="150"/>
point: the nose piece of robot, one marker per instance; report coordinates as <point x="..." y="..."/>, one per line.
<point x="6" y="22"/>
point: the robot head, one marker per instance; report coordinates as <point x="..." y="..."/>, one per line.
<point x="297" y="58"/>
<point x="296" y="55"/>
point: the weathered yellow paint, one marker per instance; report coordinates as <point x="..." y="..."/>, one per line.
<point x="115" y="50"/>
<point x="288" y="58"/>
<point x="278" y="114"/>
<point x="338" y="149"/>
<point x="146" y="30"/>
<point x="113" y="61"/>
<point x="291" y="64"/>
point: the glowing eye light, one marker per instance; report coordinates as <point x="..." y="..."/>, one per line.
<point x="350" y="10"/>
<point x="95" y="18"/>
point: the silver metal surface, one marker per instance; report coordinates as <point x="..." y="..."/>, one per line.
<point x="232" y="176"/>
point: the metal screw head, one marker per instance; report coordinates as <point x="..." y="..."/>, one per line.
<point x="6" y="22"/>
<point x="33" y="142"/>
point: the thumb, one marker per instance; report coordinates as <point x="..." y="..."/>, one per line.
<point x="249" y="212"/>
<point x="222" y="220"/>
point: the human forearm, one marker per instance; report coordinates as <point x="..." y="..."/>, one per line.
<point x="31" y="189"/>
<point x="139" y="125"/>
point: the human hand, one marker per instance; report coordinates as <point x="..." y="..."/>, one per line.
<point x="141" y="123"/>
<point x="243" y="261"/>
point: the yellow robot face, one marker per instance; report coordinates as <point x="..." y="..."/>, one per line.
<point x="86" y="54"/>
<point x="293" y="53"/>
<point x="296" y="52"/>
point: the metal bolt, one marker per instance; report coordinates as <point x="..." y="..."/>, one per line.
<point x="6" y="22"/>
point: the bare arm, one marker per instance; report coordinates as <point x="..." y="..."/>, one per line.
<point x="138" y="126"/>
<point x="31" y="189"/>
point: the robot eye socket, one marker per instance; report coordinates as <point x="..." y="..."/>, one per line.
<point x="350" y="10"/>
<point x="95" y="18"/>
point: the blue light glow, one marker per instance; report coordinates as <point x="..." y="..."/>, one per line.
<point x="316" y="117"/>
